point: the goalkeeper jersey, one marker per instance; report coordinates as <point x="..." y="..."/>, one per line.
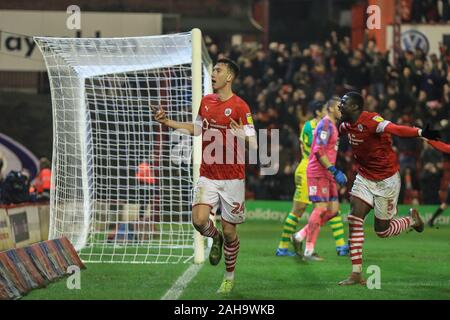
<point x="325" y="142"/>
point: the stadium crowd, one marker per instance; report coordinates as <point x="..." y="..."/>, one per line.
<point x="429" y="11"/>
<point x="281" y="85"/>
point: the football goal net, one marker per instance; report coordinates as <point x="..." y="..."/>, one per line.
<point x="122" y="183"/>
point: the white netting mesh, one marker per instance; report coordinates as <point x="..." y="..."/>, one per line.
<point x="104" y="134"/>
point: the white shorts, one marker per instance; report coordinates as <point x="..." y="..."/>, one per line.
<point x="382" y="195"/>
<point x="228" y="194"/>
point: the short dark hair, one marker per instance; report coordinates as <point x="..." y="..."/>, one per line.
<point x="233" y="66"/>
<point x="356" y="98"/>
<point x="44" y="163"/>
<point x="331" y="100"/>
<point x="316" y="106"/>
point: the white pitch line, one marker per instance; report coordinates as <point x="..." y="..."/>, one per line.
<point x="178" y="287"/>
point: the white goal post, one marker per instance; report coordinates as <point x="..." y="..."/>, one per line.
<point x="122" y="183"/>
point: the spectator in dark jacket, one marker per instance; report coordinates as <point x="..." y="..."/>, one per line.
<point x="430" y="180"/>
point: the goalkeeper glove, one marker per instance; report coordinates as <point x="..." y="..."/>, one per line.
<point x="339" y="176"/>
<point x="430" y="134"/>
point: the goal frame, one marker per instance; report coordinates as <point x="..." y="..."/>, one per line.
<point x="199" y="86"/>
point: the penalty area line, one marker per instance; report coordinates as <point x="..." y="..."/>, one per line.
<point x="178" y="287"/>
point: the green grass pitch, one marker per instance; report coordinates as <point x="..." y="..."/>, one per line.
<point x="413" y="266"/>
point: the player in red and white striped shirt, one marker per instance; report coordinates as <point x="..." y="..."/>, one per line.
<point x="377" y="184"/>
<point x="221" y="117"/>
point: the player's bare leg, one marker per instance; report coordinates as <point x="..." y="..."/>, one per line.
<point x="358" y="212"/>
<point x="298" y="209"/>
<point x="231" y="250"/>
<point x="203" y="224"/>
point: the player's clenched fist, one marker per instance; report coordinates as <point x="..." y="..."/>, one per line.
<point x="160" y="115"/>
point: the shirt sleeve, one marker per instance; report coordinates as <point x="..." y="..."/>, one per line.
<point x="323" y="133"/>
<point x="304" y="137"/>
<point x="439" y="145"/>
<point x="309" y="135"/>
<point x="247" y="120"/>
<point x="401" y="131"/>
<point x="378" y="123"/>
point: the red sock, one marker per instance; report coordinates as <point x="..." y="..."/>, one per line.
<point x="230" y="252"/>
<point x="209" y="230"/>
<point x="396" y="226"/>
<point x="356" y="241"/>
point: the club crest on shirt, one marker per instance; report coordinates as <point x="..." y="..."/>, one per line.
<point x="228" y="112"/>
<point x="360" y="127"/>
<point x="312" y="190"/>
<point x="325" y="190"/>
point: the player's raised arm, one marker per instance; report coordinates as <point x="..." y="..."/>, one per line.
<point x="439" y="145"/>
<point x="161" y="117"/>
<point x="407" y="132"/>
